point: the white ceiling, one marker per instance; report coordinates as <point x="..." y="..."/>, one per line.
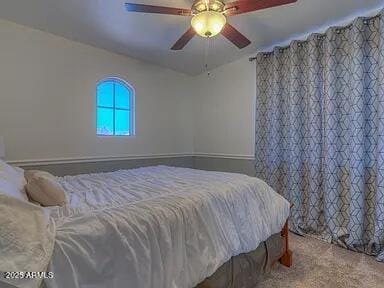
<point x="106" y="24"/>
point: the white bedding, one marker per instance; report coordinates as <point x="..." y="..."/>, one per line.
<point x="26" y="242"/>
<point x="158" y="227"/>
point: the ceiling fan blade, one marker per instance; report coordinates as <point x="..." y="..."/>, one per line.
<point x="187" y="36"/>
<point x="132" y="7"/>
<point x="243" y="6"/>
<point x="233" y="35"/>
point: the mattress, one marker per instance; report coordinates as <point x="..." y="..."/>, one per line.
<point x="158" y="227"/>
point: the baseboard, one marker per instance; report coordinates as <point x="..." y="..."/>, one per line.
<point x="225" y="156"/>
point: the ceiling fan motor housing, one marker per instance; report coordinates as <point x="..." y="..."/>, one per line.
<point x="212" y="5"/>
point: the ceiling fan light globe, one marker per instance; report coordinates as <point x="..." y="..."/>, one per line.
<point x="199" y="27"/>
<point x="208" y="23"/>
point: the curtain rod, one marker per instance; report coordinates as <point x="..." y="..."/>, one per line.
<point x="348" y="26"/>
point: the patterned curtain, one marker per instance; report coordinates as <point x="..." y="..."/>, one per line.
<point x="320" y="132"/>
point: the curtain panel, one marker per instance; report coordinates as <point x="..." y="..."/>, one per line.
<point x="320" y="132"/>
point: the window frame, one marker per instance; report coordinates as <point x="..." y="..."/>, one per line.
<point x="131" y="108"/>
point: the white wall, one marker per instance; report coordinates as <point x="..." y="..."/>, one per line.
<point x="224" y="110"/>
<point x="47" y="99"/>
<point x="47" y="107"/>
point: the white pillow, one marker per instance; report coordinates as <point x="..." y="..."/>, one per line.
<point x="12" y="181"/>
<point x="8" y="188"/>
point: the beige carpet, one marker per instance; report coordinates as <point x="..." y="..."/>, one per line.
<point x="319" y="264"/>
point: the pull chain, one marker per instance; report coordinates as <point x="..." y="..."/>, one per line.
<point x="207" y="46"/>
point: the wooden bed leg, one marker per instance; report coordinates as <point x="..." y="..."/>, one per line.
<point x="286" y="259"/>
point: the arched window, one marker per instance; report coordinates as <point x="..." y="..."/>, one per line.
<point x="115" y="108"/>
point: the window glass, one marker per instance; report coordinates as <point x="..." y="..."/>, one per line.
<point x="104" y="121"/>
<point x="121" y="122"/>
<point x="121" y="96"/>
<point x="114" y="108"/>
<point x="105" y="94"/>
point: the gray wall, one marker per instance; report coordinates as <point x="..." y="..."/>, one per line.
<point x="107" y="166"/>
<point x="243" y="166"/>
<point x="204" y="163"/>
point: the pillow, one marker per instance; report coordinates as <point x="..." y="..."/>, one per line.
<point x="12" y="181"/>
<point x="10" y="189"/>
<point x="43" y="188"/>
<point x="30" y="174"/>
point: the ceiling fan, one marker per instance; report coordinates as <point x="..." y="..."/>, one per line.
<point x="209" y="17"/>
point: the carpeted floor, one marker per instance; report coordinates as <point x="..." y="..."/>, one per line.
<point x="319" y="264"/>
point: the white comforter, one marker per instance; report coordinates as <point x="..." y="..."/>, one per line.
<point x="26" y="243"/>
<point x="158" y="227"/>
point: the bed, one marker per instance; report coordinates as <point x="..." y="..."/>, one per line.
<point x="166" y="227"/>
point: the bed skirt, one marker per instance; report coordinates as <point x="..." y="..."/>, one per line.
<point x="246" y="270"/>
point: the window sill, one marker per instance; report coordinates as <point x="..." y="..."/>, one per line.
<point x="116" y="136"/>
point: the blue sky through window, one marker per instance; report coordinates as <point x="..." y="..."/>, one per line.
<point x="114" y="106"/>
